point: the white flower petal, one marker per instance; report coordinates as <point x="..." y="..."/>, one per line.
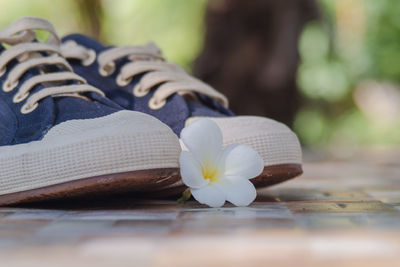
<point x="238" y="191"/>
<point x="210" y="195"/>
<point x="242" y="161"/>
<point x="191" y="171"/>
<point x="203" y="138"/>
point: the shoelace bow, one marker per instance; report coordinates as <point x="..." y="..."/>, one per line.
<point x="21" y="37"/>
<point x="145" y="60"/>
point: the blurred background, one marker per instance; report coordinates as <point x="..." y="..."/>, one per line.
<point x="328" y="68"/>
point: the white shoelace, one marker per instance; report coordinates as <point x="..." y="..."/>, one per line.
<point x="145" y="60"/>
<point x="21" y="37"/>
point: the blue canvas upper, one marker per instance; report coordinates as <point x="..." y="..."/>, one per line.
<point x="17" y="128"/>
<point x="174" y="113"/>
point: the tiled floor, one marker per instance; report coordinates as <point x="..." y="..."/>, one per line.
<point x="339" y="213"/>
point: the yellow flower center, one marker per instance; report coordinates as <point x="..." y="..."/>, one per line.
<point x="210" y="172"/>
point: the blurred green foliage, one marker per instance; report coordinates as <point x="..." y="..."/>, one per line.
<point x="355" y="41"/>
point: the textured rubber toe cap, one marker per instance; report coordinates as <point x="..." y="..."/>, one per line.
<point x="124" y="141"/>
<point x="274" y="141"/>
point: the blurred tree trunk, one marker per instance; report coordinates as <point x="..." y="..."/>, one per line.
<point x="90" y="16"/>
<point x="250" y="54"/>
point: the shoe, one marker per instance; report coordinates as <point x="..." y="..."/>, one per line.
<point x="138" y="78"/>
<point x="60" y="136"/>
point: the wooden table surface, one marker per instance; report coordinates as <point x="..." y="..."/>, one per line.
<point x="344" y="211"/>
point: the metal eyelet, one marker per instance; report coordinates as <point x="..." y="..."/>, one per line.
<point x="121" y="81"/>
<point x="2" y="71"/>
<point x="8" y="87"/>
<point x="19" y="98"/>
<point x="25" y="109"/>
<point x="90" y="59"/>
<point x="107" y="70"/>
<point x="138" y="92"/>
<point x="154" y="104"/>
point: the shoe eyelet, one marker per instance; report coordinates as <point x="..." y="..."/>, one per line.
<point x="8" y="87"/>
<point x="2" y="71"/>
<point x="154" y="104"/>
<point x="25" y="109"/>
<point x="90" y="59"/>
<point x="121" y="81"/>
<point x="138" y="92"/>
<point x="107" y="69"/>
<point x="19" y="98"/>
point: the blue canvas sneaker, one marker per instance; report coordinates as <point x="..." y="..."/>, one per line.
<point x="60" y="136"/>
<point x="138" y="78"/>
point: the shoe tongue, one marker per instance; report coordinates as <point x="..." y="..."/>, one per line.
<point x="85" y="41"/>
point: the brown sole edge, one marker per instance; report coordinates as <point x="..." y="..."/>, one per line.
<point x="271" y="175"/>
<point x="141" y="180"/>
<point x="277" y="174"/>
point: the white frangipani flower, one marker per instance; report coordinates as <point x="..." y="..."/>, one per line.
<point x="214" y="174"/>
